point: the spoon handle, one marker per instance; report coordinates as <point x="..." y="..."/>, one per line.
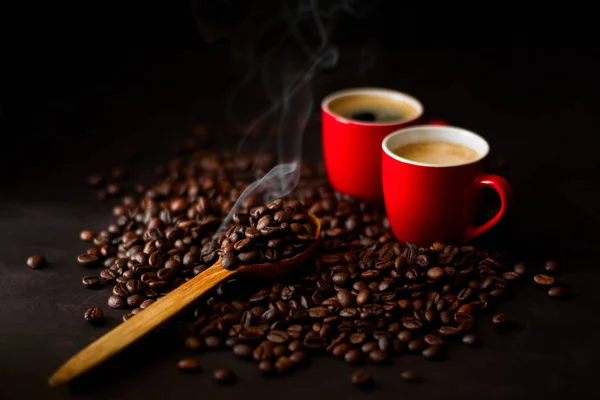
<point x="134" y="328"/>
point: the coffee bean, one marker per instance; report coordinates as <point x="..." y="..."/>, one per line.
<point x="108" y="275"/>
<point x="410" y="376"/>
<point x="242" y="350"/>
<point x="116" y="302"/>
<point x="433" y="340"/>
<point x="94" y="316"/>
<point x="146" y="303"/>
<point x="213" y="342"/>
<point x="284" y="365"/>
<point x="345" y="298"/>
<point x="363" y="297"/>
<point x="551" y="267"/>
<point x="87" y="260"/>
<point x="120" y="290"/>
<point x="193" y="344"/>
<point x="135" y="300"/>
<point x="433" y="352"/>
<point x="264" y="351"/>
<point x="90" y="281"/>
<point x="189" y="365"/>
<point x="341" y="349"/>
<point x="36" y="262"/>
<point x="556" y="292"/>
<point x="86" y="235"/>
<point x="520" y="269"/>
<point x="448" y="331"/>
<point x="470" y="339"/>
<point x="266" y="367"/>
<point x="544" y="280"/>
<point x="379" y="356"/>
<point x="134" y="286"/>
<point x="435" y="273"/>
<point x="404" y="336"/>
<point x="357" y="338"/>
<point x="278" y="337"/>
<point x="362" y="380"/>
<point x="354" y="357"/>
<point x="224" y="376"/>
<point x="299" y="358"/>
<point x="501" y="322"/>
<point x="415" y="345"/>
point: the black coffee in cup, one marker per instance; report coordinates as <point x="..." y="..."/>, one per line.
<point x="373" y="108"/>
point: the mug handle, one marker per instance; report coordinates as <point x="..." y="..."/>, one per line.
<point x="500" y="185"/>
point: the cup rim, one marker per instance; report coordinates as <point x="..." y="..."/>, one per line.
<point x="373" y="91"/>
<point x="453" y="129"/>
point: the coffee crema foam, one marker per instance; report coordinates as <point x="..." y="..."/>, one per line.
<point x="437" y="152"/>
<point x="372" y="108"/>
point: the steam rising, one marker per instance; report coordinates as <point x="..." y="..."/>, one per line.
<point x="283" y="46"/>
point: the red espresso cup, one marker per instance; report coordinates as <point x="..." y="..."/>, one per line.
<point x="432" y="179"/>
<point x="352" y="143"/>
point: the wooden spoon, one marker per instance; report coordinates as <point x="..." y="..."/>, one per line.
<point x="134" y="328"/>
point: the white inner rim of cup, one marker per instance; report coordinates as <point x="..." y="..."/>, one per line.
<point x="373" y="91"/>
<point x="434" y="133"/>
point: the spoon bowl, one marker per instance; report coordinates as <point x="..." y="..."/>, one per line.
<point x="134" y="328"/>
<point x="285" y="266"/>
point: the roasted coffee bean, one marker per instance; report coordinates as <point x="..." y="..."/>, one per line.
<point x="135" y="300"/>
<point x="189" y="365"/>
<point x="405" y="336"/>
<point x="264" y="351"/>
<point x="363" y="297"/>
<point x="433" y="340"/>
<point x="556" y="292"/>
<point x="341" y="349"/>
<point x="448" y="331"/>
<point x="242" y="350"/>
<point x="120" y="290"/>
<point x="357" y="338"/>
<point x="415" y="345"/>
<point x="94" y="316"/>
<point x="86" y="235"/>
<point x="362" y="380"/>
<point x="551" y="267"/>
<point x="435" y="273"/>
<point x="224" y="376"/>
<point x="520" y="268"/>
<point x="433" y="353"/>
<point x="354" y="357"/>
<point x="284" y="365"/>
<point x="146" y="303"/>
<point x="108" y="275"/>
<point x="91" y="281"/>
<point x="87" y="259"/>
<point x="295" y="345"/>
<point x="193" y="344"/>
<point x="345" y="298"/>
<point x="544" y="280"/>
<point x="299" y="358"/>
<point x="280" y="351"/>
<point x="470" y="339"/>
<point x="410" y="376"/>
<point x="379" y="356"/>
<point x="116" y="302"/>
<point x="266" y="367"/>
<point x="369" y="347"/>
<point x="134" y="286"/>
<point x="213" y="342"/>
<point x="501" y="322"/>
<point x="278" y="336"/>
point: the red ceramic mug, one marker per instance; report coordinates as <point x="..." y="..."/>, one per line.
<point x="431" y="195"/>
<point x="351" y="146"/>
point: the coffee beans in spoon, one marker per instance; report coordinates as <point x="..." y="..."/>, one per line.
<point x="270" y="233"/>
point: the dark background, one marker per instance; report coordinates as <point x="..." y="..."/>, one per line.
<point x="92" y="85"/>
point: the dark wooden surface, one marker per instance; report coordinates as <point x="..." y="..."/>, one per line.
<point x="78" y="112"/>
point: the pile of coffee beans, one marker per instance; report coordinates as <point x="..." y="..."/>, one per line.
<point x="363" y="298"/>
<point x="279" y="230"/>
